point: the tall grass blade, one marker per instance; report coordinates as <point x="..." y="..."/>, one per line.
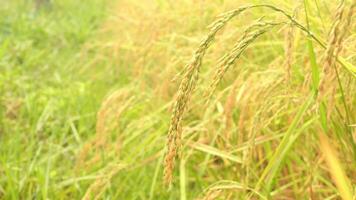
<point x="275" y="163"/>
<point x="335" y="168"/>
<point x="182" y="180"/>
<point x="312" y="57"/>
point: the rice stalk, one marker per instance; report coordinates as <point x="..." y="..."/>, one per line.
<point x="191" y="75"/>
<point x="190" y="78"/>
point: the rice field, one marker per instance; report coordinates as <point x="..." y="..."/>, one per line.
<point x="154" y="99"/>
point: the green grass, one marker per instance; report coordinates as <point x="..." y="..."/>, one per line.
<point x="41" y="51"/>
<point x="60" y="62"/>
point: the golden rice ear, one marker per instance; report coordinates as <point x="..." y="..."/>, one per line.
<point x="249" y="36"/>
<point x="185" y="90"/>
<point x="328" y="83"/>
<point x="289" y="36"/>
<point x="288" y="47"/>
<point x="228" y="109"/>
<point x="107" y="121"/>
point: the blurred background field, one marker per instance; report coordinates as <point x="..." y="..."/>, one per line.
<point x="87" y="90"/>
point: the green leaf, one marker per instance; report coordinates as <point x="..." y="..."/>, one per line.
<point x="312" y="57"/>
<point x="275" y="163"/>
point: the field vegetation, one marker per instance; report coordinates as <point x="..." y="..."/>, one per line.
<point x="163" y="99"/>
